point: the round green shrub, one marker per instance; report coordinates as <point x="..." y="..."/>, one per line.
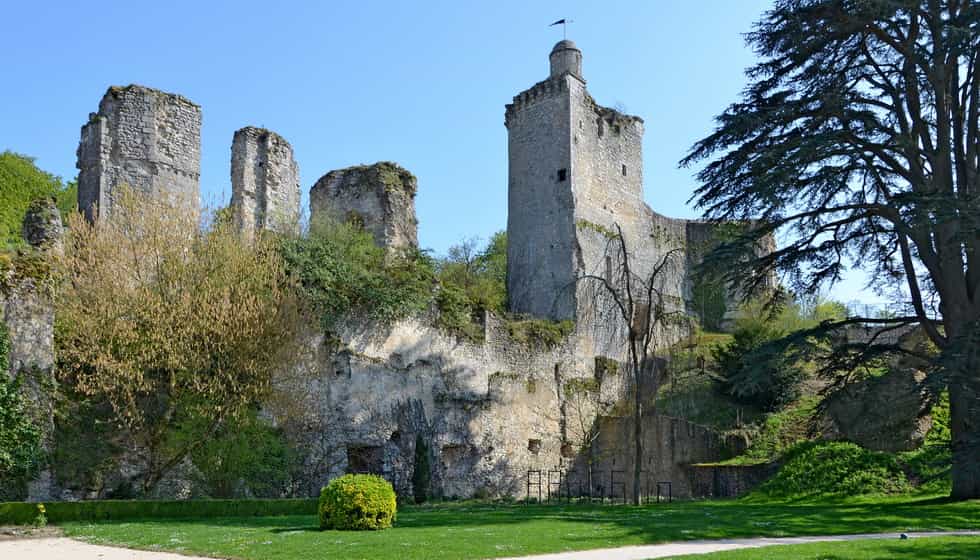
<point x="357" y="502"/>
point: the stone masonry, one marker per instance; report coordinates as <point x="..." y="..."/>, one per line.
<point x="27" y="313"/>
<point x="379" y="197"/>
<point x="265" y="188"/>
<point x="144" y="138"/>
<point x="575" y="173"/>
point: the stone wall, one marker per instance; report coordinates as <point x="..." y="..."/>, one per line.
<point x="380" y="197"/>
<point x="489" y="411"/>
<point x="265" y="188"/>
<point x="144" y="138"/>
<point x="575" y="176"/>
<point x="27" y="312"/>
<point x="727" y="481"/>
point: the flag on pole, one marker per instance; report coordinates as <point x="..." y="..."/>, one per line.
<point x="559" y="22"/>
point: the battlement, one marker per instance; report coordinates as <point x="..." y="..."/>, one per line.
<point x="543" y="89"/>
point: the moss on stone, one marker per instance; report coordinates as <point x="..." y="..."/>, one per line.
<point x="20" y="265"/>
<point x="539" y="332"/>
<point x="597" y="228"/>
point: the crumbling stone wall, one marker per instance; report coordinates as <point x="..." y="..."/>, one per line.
<point x="264" y="182"/>
<point x="489" y="411"/>
<point x="144" y="138"/>
<point x="380" y="197"/>
<point x="27" y="312"/>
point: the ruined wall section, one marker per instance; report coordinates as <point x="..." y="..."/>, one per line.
<point x="265" y="190"/>
<point x="540" y="209"/>
<point x="380" y="197"/>
<point x="27" y="312"/>
<point x="488" y="411"/>
<point x="144" y="138"/>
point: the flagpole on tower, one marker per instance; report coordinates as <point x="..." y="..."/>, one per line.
<point x="564" y="26"/>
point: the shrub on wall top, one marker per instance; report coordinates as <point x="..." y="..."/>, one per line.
<point x="357" y="502"/>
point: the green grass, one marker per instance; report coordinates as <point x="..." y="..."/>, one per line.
<point x="467" y="530"/>
<point x="931" y="548"/>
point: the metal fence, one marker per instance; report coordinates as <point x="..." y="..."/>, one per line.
<point x="592" y="485"/>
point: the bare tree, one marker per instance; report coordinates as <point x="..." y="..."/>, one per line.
<point x="637" y="300"/>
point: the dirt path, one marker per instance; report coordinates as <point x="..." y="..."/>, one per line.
<point x="57" y="548"/>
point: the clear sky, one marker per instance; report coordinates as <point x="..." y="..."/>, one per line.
<point x="421" y="84"/>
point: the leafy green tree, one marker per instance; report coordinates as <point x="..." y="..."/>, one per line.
<point x="343" y="272"/>
<point x="171" y="325"/>
<point x="858" y="139"/>
<point x="20" y="183"/>
<point x="480" y="274"/>
<point x="243" y="455"/>
<point x="20" y="437"/>
<point x="755" y="372"/>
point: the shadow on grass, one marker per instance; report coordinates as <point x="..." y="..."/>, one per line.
<point x="677" y="521"/>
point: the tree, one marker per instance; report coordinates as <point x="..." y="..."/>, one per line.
<point x="480" y="274"/>
<point x="858" y="138"/>
<point x="22" y="182"/>
<point x="170" y="325"/>
<point x="637" y="302"/>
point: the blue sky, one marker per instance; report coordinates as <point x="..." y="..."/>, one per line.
<point x="422" y="84"/>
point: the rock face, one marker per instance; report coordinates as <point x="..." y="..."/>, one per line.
<point x="380" y="197"/>
<point x="144" y="138"/>
<point x="264" y="182"/>
<point x="575" y="173"/>
<point x="490" y="412"/>
<point x="889" y="413"/>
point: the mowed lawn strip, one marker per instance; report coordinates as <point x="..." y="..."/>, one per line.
<point x="463" y="531"/>
<point x="929" y="548"/>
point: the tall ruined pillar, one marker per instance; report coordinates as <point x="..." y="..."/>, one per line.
<point x="144" y="138"/>
<point x="264" y="182"/>
<point x="379" y="197"/>
<point x="27" y="314"/>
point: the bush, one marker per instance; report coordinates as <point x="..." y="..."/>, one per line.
<point x="21" y="182"/>
<point x="357" y="502"/>
<point x="819" y="468"/>
<point x="24" y="513"/>
<point x="422" y="474"/>
<point x="343" y="272"/>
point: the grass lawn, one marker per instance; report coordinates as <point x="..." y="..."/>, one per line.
<point x="461" y="530"/>
<point x="932" y="548"/>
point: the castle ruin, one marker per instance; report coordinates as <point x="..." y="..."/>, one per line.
<point x="144" y="138"/>
<point x="265" y="187"/>
<point x="380" y="198"/>
<point x="489" y="410"/>
<point x="575" y="176"/>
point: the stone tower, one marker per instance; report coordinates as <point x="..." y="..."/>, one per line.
<point x="144" y="138"/>
<point x="264" y="182"/>
<point x="379" y="197"/>
<point x="575" y="170"/>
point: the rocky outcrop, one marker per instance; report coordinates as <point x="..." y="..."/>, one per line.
<point x="888" y="413"/>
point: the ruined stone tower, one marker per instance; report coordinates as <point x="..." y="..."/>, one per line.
<point x="575" y="170"/>
<point x="144" y="138"/>
<point x="379" y="197"/>
<point x="264" y="182"/>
